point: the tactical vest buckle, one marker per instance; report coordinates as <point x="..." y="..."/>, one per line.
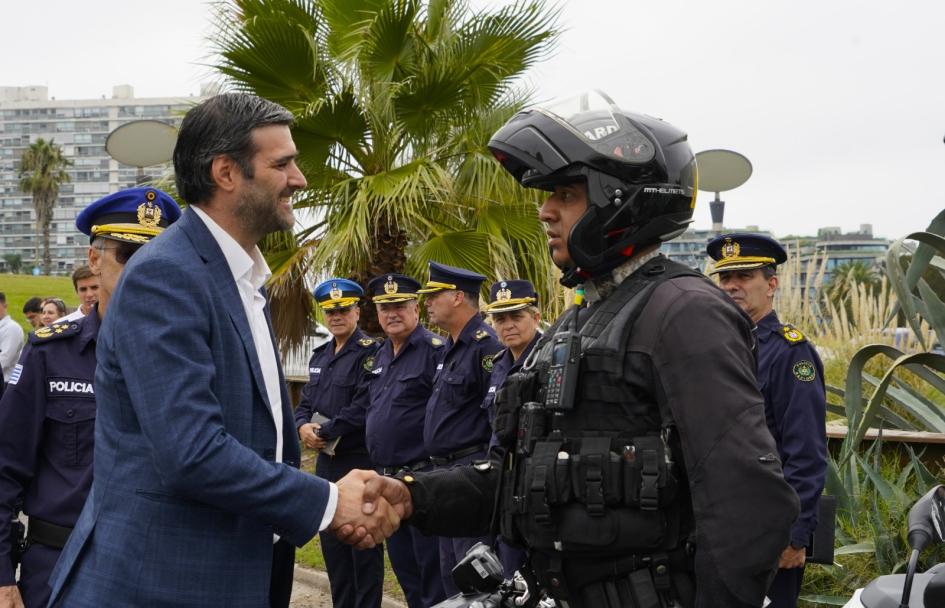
<point x="593" y="484"/>
<point x="649" y="485"/>
<point x="538" y="499"/>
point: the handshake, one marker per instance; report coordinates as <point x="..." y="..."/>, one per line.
<point x="370" y="508"/>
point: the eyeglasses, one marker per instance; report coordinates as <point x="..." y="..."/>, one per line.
<point x="123" y="251"/>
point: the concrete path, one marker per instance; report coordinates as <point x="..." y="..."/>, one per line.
<point x="311" y="590"/>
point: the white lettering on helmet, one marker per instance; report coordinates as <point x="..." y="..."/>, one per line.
<point x="661" y="190"/>
<point x="599" y="132"/>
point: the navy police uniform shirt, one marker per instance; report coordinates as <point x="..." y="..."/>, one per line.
<point x="454" y="419"/>
<point x="334" y="379"/>
<point x="47" y="423"/>
<point x="504" y="366"/>
<point x="399" y="390"/>
<point x="791" y="378"/>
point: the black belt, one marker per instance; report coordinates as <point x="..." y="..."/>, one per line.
<point x="442" y="461"/>
<point x="390" y="471"/>
<point x="46" y="533"/>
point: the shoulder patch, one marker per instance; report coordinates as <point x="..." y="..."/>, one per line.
<point x="54" y="332"/>
<point x="368" y="364"/>
<point x="436" y="341"/>
<point x="792" y="334"/>
<point x="805" y="371"/>
<point x="481" y="335"/>
<point x="488" y="362"/>
<point x="365" y="342"/>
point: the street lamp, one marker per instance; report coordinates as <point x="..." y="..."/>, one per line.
<point x="720" y="171"/>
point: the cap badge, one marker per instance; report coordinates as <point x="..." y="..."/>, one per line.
<point x="335" y="293"/>
<point x="503" y="295"/>
<point x="731" y="249"/>
<point x="149" y="214"/>
<point x="390" y="287"/>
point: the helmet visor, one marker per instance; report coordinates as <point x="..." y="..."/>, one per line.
<point x="594" y="118"/>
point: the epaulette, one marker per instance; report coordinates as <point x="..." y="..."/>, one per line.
<point x="436" y="341"/>
<point x="792" y="334"/>
<point x="54" y="332"/>
<point x="481" y="335"/>
<point x="366" y="342"/>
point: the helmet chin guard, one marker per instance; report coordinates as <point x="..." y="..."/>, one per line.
<point x="639" y="171"/>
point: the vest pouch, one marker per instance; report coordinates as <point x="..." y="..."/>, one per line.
<point x="618" y="531"/>
<point x="596" y="479"/>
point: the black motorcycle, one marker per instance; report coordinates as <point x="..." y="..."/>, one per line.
<point x="481" y="584"/>
<point x="911" y="590"/>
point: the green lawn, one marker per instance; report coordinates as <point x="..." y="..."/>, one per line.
<point x="21" y="287"/>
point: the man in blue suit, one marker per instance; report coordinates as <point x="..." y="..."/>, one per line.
<point x="196" y="498"/>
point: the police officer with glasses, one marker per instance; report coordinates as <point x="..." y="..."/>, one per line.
<point x="47" y="415"/>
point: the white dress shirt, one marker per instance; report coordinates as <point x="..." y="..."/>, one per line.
<point x="250" y="274"/>
<point x="11" y="341"/>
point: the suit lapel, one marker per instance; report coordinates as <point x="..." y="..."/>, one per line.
<point x="225" y="286"/>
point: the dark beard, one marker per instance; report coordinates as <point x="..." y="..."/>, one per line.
<point x="258" y="213"/>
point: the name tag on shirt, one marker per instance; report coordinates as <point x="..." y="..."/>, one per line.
<point x="377" y="372"/>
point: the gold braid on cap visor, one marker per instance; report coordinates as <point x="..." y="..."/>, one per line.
<point x="127" y="230"/>
<point x="735" y="263"/>
<point x="339" y="303"/>
<point x="433" y="286"/>
<point x="501" y="306"/>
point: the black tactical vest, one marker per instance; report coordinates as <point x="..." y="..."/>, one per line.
<point x="602" y="479"/>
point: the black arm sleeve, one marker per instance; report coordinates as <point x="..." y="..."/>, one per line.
<point x="455" y="502"/>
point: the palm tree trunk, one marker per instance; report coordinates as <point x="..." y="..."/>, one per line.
<point x="388" y="254"/>
<point x="47" y="222"/>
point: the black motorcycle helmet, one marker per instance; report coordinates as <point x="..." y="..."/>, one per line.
<point x="639" y="171"/>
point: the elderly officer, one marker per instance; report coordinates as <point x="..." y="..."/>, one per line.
<point x="791" y="378"/>
<point x="402" y="380"/>
<point x="456" y="430"/>
<point x="47" y="416"/>
<point x="337" y="370"/>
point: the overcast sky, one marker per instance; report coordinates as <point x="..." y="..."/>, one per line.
<point x="839" y="104"/>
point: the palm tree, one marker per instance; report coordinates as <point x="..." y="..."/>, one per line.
<point x="42" y="171"/>
<point x="395" y="101"/>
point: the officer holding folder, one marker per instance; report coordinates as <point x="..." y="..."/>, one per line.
<point x="330" y="419"/>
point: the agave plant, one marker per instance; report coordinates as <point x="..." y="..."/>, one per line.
<point x="889" y="400"/>
<point x="395" y="101"/>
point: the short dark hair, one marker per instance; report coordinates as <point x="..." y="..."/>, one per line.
<point x="3" y="298"/>
<point x="222" y="124"/>
<point x="769" y="271"/>
<point x="472" y="298"/>
<point x="34" y="304"/>
<point x="79" y="274"/>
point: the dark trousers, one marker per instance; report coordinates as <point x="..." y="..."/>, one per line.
<point x="415" y="558"/>
<point x="452" y="550"/>
<point x="37" y="565"/>
<point x="356" y="577"/>
<point x="283" y="572"/>
<point x="512" y="558"/>
<point x="786" y="587"/>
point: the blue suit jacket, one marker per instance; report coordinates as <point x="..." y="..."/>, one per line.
<point x="186" y="494"/>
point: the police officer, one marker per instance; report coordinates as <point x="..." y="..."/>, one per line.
<point x="337" y="370"/>
<point x="513" y="307"/>
<point x="400" y="387"/>
<point x="637" y="460"/>
<point x="791" y="378"/>
<point x="47" y="415"/>
<point x="456" y="430"/>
